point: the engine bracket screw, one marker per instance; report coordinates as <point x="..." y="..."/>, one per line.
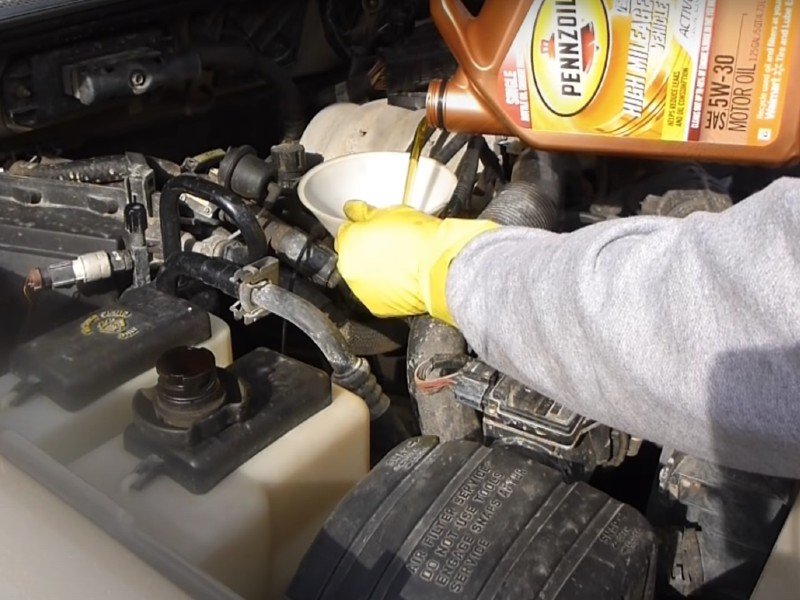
<point x="137" y="78"/>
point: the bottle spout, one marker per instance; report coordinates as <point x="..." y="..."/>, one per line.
<point x="453" y="106"/>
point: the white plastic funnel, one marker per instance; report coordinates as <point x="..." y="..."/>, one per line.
<point x="377" y="178"/>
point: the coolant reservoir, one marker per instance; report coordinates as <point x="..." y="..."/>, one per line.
<point x="243" y="503"/>
<point x="71" y="389"/>
<point x="712" y="80"/>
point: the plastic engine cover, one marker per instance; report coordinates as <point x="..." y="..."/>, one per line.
<point x="459" y="520"/>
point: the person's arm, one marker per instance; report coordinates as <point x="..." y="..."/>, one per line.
<point x="683" y="332"/>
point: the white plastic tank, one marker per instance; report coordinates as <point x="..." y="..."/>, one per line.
<point x="345" y="128"/>
<point x="252" y="529"/>
<point x="64" y="434"/>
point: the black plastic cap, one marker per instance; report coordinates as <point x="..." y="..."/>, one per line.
<point x="136" y="217"/>
<point x="244" y="173"/>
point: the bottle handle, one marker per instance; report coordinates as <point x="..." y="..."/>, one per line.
<point x="453" y="19"/>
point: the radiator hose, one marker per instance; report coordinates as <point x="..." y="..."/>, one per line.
<point x="238" y="58"/>
<point x="531" y="199"/>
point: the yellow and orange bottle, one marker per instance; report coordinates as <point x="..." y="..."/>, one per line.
<point x="715" y="80"/>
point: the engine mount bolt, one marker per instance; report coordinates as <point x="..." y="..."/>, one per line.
<point x="372" y="6"/>
<point x="137" y="78"/>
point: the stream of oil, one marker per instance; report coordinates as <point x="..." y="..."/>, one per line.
<point x="421" y="136"/>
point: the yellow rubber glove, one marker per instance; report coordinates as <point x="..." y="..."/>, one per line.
<point x="396" y="259"/>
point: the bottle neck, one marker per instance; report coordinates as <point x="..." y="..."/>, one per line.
<point x="452" y="105"/>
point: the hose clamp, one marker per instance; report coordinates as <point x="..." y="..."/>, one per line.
<point x="248" y="279"/>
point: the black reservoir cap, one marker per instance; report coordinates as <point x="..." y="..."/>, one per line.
<point x="84" y="359"/>
<point x="267" y="395"/>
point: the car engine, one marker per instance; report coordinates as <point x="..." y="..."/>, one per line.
<point x="184" y="367"/>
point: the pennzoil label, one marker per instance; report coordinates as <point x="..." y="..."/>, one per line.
<point x="683" y="70"/>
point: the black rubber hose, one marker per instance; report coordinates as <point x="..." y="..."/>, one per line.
<point x="219" y="273"/>
<point x="233" y="206"/>
<point x="215" y="272"/>
<point x="163" y="169"/>
<point x="349" y="371"/>
<point x="522" y="204"/>
<point x="290" y="100"/>
<point x="532" y="199"/>
<point x="306" y="256"/>
<point x="466" y="174"/>
<point x="370" y="337"/>
<point x="238" y="58"/>
<point x="374" y="337"/>
<point x="491" y="162"/>
<point x="452" y="147"/>
<point x="438" y="413"/>
<point x="439" y="143"/>
<point x="311" y="321"/>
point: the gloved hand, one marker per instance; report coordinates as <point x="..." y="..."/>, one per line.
<point x="396" y="259"/>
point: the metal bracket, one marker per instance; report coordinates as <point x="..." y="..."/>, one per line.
<point x="249" y="278"/>
<point x="203" y="210"/>
<point x="140" y="184"/>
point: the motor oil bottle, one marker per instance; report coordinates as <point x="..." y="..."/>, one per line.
<point x="714" y="80"/>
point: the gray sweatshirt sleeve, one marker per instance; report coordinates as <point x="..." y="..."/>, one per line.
<point x="683" y="332"/>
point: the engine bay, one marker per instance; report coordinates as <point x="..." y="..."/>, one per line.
<point x="184" y="366"/>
